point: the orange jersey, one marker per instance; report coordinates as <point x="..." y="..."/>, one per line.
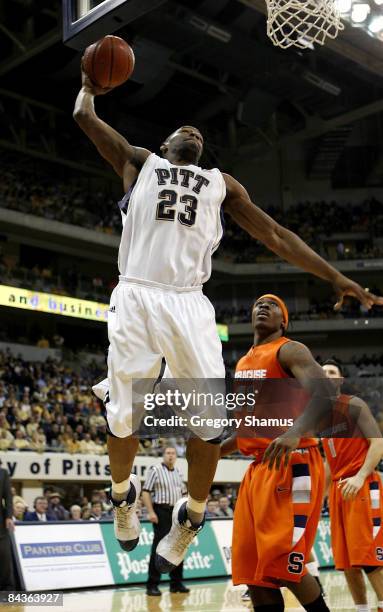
<point x="261" y="362"/>
<point x="345" y="456"/>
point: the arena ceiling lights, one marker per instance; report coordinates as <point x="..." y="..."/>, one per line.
<point x="365" y="14"/>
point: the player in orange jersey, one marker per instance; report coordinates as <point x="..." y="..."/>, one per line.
<point x="280" y="498"/>
<point x="356" y="499"/>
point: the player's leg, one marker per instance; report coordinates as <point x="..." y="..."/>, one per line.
<point x="264" y="597"/>
<point x="313" y="567"/>
<point x="376" y="580"/>
<point x="188" y="513"/>
<point x="362" y="519"/>
<point x="122" y="452"/>
<point x="244" y="538"/>
<point x="308" y="593"/>
<point x="356" y="585"/>
<point x="375" y="575"/>
<point x="131" y="356"/>
<point x="193" y="352"/>
<point x="307" y="495"/>
<point x="199" y="452"/>
<point x="266" y="600"/>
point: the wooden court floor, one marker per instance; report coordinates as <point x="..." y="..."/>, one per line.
<point x="205" y="596"/>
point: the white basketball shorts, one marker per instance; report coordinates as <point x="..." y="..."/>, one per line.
<point x="149" y="321"/>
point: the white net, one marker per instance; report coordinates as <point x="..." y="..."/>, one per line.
<point x="300" y="23"/>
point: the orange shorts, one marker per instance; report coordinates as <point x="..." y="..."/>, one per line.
<point x="275" y="520"/>
<point x="356" y="525"/>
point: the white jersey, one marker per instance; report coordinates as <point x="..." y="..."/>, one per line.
<point x="172" y="224"/>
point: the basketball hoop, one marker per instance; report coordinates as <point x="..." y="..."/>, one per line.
<point x="301" y="23"/>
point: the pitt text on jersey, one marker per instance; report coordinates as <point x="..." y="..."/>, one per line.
<point x="183" y="177"/>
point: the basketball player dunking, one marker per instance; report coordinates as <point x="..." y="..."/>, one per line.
<point x="171" y="217"/>
<point x="280" y="498"/>
<point x="356" y="494"/>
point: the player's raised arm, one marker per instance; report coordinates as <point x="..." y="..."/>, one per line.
<point x="126" y="159"/>
<point x="288" y="245"/>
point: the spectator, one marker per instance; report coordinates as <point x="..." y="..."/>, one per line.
<point x="89" y="446"/>
<point x="211" y="509"/>
<point x="41" y="511"/>
<point x="75" y="513"/>
<point x="224" y="507"/>
<point x="6" y="440"/>
<point x="21" y="442"/>
<point x="86" y="514"/>
<point x="56" y="508"/>
<point x="19" y="509"/>
<point x="96" y="513"/>
<point x="42" y="342"/>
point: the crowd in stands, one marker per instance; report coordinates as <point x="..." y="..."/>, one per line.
<point x="314" y="222"/>
<point x="56" y="505"/>
<point x="36" y="193"/>
<point x="50" y="407"/>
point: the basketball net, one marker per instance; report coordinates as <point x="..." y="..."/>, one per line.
<point x="300" y="23"/>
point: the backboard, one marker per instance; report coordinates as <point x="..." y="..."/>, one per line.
<point x="85" y="21"/>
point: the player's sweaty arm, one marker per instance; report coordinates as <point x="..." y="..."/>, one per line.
<point x="112" y="146"/>
<point x="296" y="359"/>
<point x="288" y="245"/>
<point x="368" y="426"/>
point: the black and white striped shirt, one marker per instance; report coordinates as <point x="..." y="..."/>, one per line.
<point x="165" y="484"/>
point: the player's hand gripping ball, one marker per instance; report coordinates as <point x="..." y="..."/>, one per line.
<point x="109" y="62"/>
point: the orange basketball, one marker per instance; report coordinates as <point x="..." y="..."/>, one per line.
<point x="109" y="62"/>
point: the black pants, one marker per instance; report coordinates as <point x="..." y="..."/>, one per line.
<point x="160" y="530"/>
<point x="7" y="579"/>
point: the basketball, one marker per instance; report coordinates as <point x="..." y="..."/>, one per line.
<point x="109" y="62"/>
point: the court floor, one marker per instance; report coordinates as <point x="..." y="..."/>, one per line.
<point x="205" y="596"/>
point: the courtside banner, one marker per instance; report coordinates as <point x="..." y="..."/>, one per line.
<point x="322" y="545"/>
<point x="15" y="297"/>
<point x="203" y="560"/>
<point x="61" y="556"/>
<point x="70" y="555"/>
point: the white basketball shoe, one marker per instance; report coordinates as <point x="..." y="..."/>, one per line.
<point x="172" y="549"/>
<point x="126" y="522"/>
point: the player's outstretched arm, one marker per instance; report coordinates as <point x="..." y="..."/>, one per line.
<point x="126" y="159"/>
<point x="288" y="245"/>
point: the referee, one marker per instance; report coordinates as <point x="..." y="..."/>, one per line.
<point x="163" y="487"/>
